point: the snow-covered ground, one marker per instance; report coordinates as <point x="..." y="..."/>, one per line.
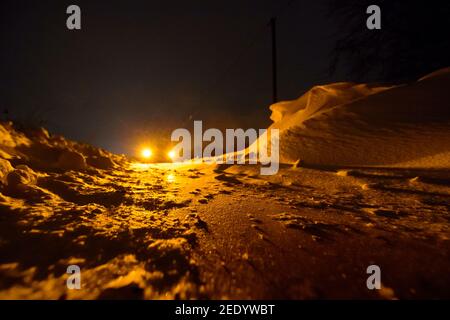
<point x="372" y="187"/>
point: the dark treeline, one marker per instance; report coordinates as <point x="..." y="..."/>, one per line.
<point x="414" y="39"/>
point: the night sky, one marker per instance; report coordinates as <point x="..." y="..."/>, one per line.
<point x="139" y="69"/>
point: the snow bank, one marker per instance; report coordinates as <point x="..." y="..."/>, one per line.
<point x="25" y="151"/>
<point x="362" y="125"/>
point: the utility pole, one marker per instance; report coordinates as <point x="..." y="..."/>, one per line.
<point x="273" y="27"/>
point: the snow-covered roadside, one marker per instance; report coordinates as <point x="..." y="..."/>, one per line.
<point x="167" y="231"/>
<point x="363" y="125"/>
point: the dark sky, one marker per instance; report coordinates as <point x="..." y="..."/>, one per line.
<point x="139" y="69"/>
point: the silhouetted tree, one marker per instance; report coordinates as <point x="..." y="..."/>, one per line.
<point x="414" y="39"/>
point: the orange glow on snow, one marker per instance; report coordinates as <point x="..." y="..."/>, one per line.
<point x="170" y="178"/>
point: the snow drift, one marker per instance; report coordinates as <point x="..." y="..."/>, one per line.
<point x="351" y="124"/>
<point x="28" y="154"/>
